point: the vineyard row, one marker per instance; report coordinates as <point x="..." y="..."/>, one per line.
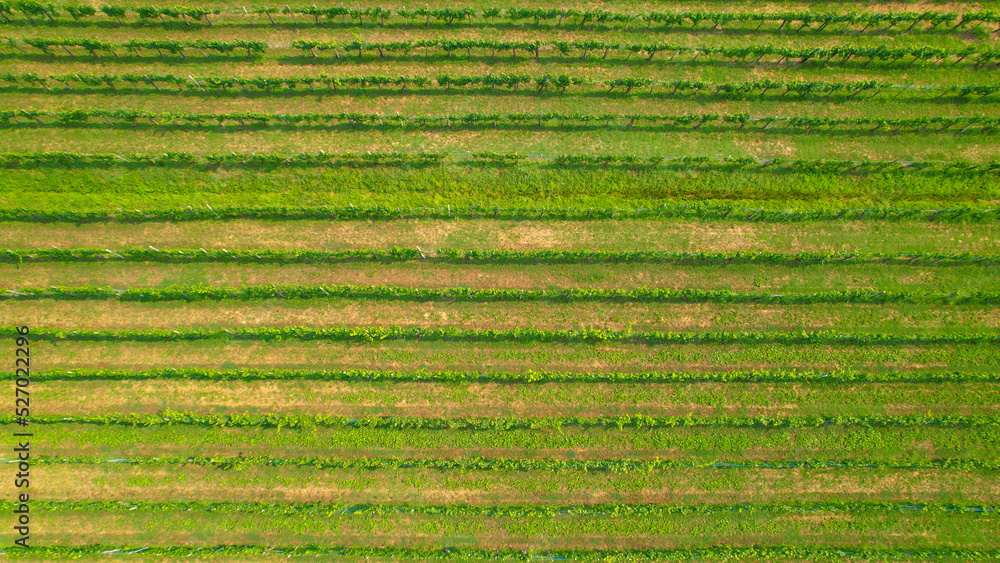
<point x="559" y="50"/>
<point x="697" y="212"/>
<point x="539" y="377"/>
<point x="516" y="335"/>
<point x="502" y="121"/>
<point x="32" y="160"/>
<point x="503" y="424"/>
<point x="617" y="466"/>
<point x="396" y="293"/>
<point x="758" y="90"/>
<point x="555" y="18"/>
<point x="396" y="254"/>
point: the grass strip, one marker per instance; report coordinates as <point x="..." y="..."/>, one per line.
<point x="293" y="421"/>
<point x="517" y="356"/>
<point x="411" y="294"/>
<point x="838" y="377"/>
<point x="762" y="553"/>
<point x="365" y="399"/>
<point x="397" y="254"/>
<point x="741" y="278"/>
<point x="462" y="188"/>
<point x="519" y="335"/>
<point x="709" y="444"/>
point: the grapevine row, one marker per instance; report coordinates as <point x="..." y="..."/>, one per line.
<point x="135" y="46"/>
<point x="617" y="466"/>
<point x="697" y="212"/>
<point x="396" y="254"/>
<point x="759" y="553"/>
<point x="502" y="121"/>
<point x="757" y="90"/>
<point x="396" y="293"/>
<point x="576" y="161"/>
<point x="540" y="377"/>
<point x="621" y="422"/>
<point x="506" y="510"/>
<point x="602" y="50"/>
<point x="521" y="335"/>
<point x="556" y="18"/>
<point x="865" y="56"/>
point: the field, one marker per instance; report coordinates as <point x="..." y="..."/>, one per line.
<point x="608" y="280"/>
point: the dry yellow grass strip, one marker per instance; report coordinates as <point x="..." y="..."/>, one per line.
<point x="306" y="484"/>
<point x="669" y="317"/>
<point x="488" y="234"/>
<point x="754" y="278"/>
<point x="359" y="399"/>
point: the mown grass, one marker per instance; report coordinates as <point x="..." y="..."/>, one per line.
<point x="809" y="529"/>
<point x="515" y="357"/>
<point x="436" y="101"/>
<point x="530" y="140"/>
<point x="304" y="484"/>
<point x="692" y="444"/>
<point x="364" y="399"/>
<point x="670" y="317"/>
<point x="748" y="278"/>
<point x="524" y="186"/>
<point x="490" y="234"/>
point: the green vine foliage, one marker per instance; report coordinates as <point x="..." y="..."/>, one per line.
<point x="396" y="254"/>
<point x="502" y="121"/>
<point x="367" y="213"/>
<point x="169" y="418"/>
<point x="414" y="294"/>
<point x="791" y="21"/>
<point x="540" y="377"/>
<point x="630" y="161"/>
<point x="521" y="335"/>
<point x="977" y="58"/>
<point x="506" y="82"/>
<point x="617" y="466"/>
<point x="513" y="511"/>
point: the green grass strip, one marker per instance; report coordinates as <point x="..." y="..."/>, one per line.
<point x="516" y="335"/>
<point x="192" y="293"/>
<point x="367" y="213"/>
<point x="170" y="418"/>
<point x="396" y="254"/>
<point x="515" y="464"/>
<point x="524" y="555"/>
<point x="759" y="376"/>
<point x="270" y="161"/>
<point x="515" y="511"/>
